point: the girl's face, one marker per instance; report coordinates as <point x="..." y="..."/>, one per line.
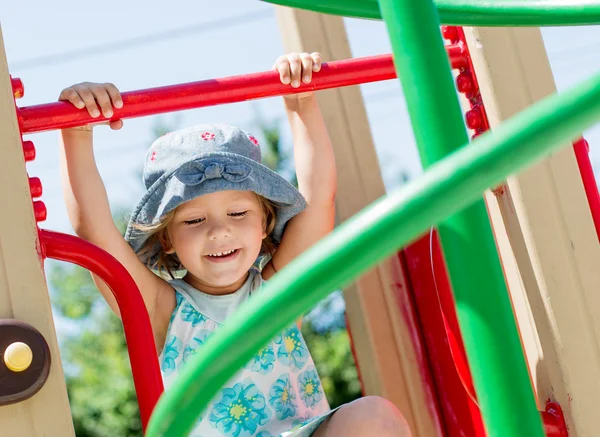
<point x="217" y="237"/>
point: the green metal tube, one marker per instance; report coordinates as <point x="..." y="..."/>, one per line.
<point x="483" y="305"/>
<point x="368" y="238"/>
<point x="473" y="12"/>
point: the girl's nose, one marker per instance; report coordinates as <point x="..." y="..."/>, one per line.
<point x="219" y="230"/>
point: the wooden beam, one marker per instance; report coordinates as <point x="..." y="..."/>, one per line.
<point x="545" y="214"/>
<point x="379" y="312"/>
<point x="23" y="290"/>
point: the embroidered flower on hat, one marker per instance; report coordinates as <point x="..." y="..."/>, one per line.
<point x="206" y="136"/>
<point x="153" y="156"/>
<point x="254" y="140"/>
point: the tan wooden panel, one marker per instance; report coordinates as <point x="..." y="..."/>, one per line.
<point x="545" y="214"/>
<point x="23" y="290"/>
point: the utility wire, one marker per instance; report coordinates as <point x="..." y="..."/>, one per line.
<point x="86" y="52"/>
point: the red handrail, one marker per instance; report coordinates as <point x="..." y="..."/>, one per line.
<point x="136" y="322"/>
<point x="59" y="115"/>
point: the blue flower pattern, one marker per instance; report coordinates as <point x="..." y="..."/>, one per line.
<point x="178" y="300"/>
<point x="310" y="387"/>
<point x="190" y="315"/>
<point x="283" y="398"/>
<point x="198" y="340"/>
<point x="240" y="411"/>
<point x="263" y="361"/>
<point x="170" y="355"/>
<point x="292" y="350"/>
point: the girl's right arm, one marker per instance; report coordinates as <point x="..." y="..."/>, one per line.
<point x="88" y="207"/>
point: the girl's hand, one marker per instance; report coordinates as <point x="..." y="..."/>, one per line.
<point x="296" y="67"/>
<point x="95" y="97"/>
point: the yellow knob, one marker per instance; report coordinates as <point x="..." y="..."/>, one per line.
<point x="18" y="357"/>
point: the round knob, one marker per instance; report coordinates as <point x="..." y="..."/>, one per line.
<point x="464" y="83"/>
<point x="450" y="33"/>
<point x="474" y="119"/>
<point x="18" y="357"/>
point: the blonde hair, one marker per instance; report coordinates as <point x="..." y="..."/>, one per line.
<point x="169" y="263"/>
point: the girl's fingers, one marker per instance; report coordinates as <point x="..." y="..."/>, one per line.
<point x="317" y="61"/>
<point x="103" y="99"/>
<point x="70" y="95"/>
<point x="295" y="69"/>
<point x="283" y="66"/>
<point x="88" y="99"/>
<point x="307" y="67"/>
<point x="114" y="94"/>
<point x="116" y="124"/>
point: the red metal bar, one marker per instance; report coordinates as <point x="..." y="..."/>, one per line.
<point x="59" y="115"/>
<point x="136" y="322"/>
<point x="435" y="309"/>
<point x="581" y="149"/>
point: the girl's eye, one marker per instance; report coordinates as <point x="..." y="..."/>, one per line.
<point x="238" y="214"/>
<point x="193" y="222"/>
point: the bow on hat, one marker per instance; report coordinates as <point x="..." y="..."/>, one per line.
<point x="197" y="172"/>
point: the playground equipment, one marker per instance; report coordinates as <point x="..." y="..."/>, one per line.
<point x="446" y="195"/>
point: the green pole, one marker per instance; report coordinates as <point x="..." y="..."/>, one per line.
<point x="483" y="306"/>
<point x="473" y="12"/>
<point x="369" y="237"/>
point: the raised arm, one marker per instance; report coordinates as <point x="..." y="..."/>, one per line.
<point x="315" y="163"/>
<point x="87" y="201"/>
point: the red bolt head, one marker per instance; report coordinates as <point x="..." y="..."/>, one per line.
<point x="39" y="211"/>
<point x="474" y="119"/>
<point x="35" y="187"/>
<point x="17" y="86"/>
<point x="464" y="83"/>
<point x="450" y="33"/>
<point x="28" y="151"/>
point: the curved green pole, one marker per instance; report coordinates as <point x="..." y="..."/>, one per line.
<point x="473" y="12"/>
<point x="366" y="239"/>
<point x="483" y="304"/>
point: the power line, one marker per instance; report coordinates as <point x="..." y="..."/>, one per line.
<point x="60" y="58"/>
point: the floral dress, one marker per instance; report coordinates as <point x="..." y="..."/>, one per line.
<point x="277" y="394"/>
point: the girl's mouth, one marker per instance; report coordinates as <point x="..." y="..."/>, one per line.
<point x="223" y="256"/>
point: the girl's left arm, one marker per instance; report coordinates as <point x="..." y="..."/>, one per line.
<point x="316" y="174"/>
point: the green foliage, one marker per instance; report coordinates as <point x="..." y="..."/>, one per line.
<point x="332" y="354"/>
<point x="101" y="391"/>
<point x="75" y="292"/>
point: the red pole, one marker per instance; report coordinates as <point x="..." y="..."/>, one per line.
<point x="136" y="322"/>
<point x="59" y="115"/>
<point x="581" y="149"/>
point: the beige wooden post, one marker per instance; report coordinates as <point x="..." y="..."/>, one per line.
<point x="555" y="281"/>
<point x="23" y="291"/>
<point x="379" y="314"/>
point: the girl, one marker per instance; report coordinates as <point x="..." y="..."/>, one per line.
<point x="211" y="209"/>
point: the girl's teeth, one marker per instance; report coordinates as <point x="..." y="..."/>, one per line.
<point x="222" y="253"/>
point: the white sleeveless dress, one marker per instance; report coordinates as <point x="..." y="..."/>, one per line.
<point x="277" y="394"/>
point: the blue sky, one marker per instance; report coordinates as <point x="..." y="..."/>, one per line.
<point x="246" y="40"/>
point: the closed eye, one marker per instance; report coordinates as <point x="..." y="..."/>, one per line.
<point x="193" y="222"/>
<point x="238" y="214"/>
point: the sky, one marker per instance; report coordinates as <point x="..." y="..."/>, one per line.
<point x="139" y="45"/>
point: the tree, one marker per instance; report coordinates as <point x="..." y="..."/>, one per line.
<point x="97" y="368"/>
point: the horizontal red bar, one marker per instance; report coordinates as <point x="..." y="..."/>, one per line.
<point x="136" y="322"/>
<point x="60" y="115"/>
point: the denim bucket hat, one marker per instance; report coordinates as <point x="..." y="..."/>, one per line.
<point x="204" y="159"/>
